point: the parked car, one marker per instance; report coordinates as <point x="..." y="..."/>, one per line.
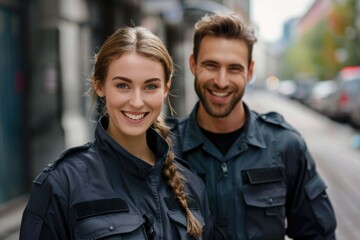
<point x="303" y="90"/>
<point x="343" y="102"/>
<point x="287" y="88"/>
<point x="320" y="94"/>
<point x="355" y="112"/>
<point x="354" y="86"/>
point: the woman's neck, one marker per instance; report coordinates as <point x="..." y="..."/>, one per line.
<point x="137" y="146"/>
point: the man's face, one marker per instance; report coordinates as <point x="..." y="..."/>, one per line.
<point x="221" y="74"/>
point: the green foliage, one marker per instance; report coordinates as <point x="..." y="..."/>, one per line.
<point x="330" y="44"/>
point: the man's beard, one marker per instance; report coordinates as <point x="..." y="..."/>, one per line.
<point x="217" y="110"/>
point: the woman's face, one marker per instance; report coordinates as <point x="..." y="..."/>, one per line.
<point x="135" y="91"/>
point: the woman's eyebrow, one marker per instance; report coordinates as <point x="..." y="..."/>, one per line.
<point x="121" y="78"/>
<point x="129" y="80"/>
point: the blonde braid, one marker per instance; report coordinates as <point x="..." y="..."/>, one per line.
<point x="176" y="181"/>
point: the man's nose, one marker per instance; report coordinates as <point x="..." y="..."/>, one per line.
<point x="221" y="79"/>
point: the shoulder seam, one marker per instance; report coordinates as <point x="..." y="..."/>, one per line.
<point x="53" y="164"/>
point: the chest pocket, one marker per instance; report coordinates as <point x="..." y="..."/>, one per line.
<point x="264" y="196"/>
<point x="178" y="218"/>
<point x="112" y="226"/>
<point x="107" y="219"/>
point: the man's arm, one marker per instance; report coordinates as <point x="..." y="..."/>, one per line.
<point x="309" y="212"/>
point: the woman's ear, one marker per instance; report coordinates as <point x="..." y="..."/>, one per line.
<point x="167" y="88"/>
<point x="98" y="89"/>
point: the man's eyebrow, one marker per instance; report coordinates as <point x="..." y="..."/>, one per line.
<point x="214" y="62"/>
<point x="208" y="61"/>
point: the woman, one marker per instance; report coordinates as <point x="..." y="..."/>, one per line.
<point x="124" y="185"/>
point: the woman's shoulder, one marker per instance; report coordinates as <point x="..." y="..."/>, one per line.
<point x="70" y="156"/>
<point x="71" y="160"/>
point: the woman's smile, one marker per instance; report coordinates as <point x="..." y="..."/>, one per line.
<point x="134" y="116"/>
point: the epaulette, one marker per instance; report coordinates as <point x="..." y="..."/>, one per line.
<point x="52" y="165"/>
<point x="276" y="119"/>
<point x="172" y="122"/>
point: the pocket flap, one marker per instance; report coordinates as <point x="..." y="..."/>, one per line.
<point x="180" y="217"/>
<point x="265" y="195"/>
<point x="315" y="187"/>
<point x="107" y="225"/>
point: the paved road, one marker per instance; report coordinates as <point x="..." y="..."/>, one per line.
<point x="330" y="144"/>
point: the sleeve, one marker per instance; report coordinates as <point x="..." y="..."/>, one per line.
<point x="309" y="212"/>
<point x="45" y="216"/>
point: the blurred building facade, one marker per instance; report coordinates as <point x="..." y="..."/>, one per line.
<point x="46" y="51"/>
<point x="317" y="11"/>
<point x="12" y="99"/>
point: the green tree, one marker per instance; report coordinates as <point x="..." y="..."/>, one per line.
<point x="332" y="43"/>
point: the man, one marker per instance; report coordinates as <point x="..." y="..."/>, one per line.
<point x="261" y="180"/>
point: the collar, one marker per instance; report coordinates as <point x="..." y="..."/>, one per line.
<point x="125" y="159"/>
<point x="193" y="136"/>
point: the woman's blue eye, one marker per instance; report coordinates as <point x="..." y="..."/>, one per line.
<point x="122" y="86"/>
<point x="151" y="87"/>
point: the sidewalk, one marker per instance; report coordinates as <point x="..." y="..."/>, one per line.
<point x="10" y="218"/>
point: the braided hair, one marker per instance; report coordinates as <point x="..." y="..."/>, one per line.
<point x="176" y="180"/>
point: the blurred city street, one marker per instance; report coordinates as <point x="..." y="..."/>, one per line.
<point x="331" y="146"/>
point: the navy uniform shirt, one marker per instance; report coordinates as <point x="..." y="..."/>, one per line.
<point x="101" y="191"/>
<point x="265" y="187"/>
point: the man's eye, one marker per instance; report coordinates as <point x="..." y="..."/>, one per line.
<point x="210" y="66"/>
<point x="235" y="70"/>
<point x="122" y="86"/>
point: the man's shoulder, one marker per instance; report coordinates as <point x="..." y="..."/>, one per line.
<point x="172" y="122"/>
<point x="275" y="119"/>
<point x="176" y="123"/>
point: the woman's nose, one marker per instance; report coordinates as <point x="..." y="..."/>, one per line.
<point x="136" y="99"/>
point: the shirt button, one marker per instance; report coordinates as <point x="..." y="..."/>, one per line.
<point x="112" y="228"/>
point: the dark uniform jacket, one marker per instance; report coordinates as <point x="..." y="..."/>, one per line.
<point x="265" y="186"/>
<point x="101" y="191"/>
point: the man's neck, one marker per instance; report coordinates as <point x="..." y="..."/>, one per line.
<point x="234" y="121"/>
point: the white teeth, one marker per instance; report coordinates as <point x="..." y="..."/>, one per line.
<point x="133" y="116"/>
<point x="219" y="94"/>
